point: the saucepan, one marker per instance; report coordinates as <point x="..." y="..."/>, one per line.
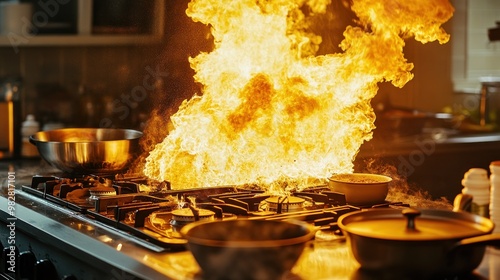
<point x="425" y="243"/>
<point x="88" y="150"/>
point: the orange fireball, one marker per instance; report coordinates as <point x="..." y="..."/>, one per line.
<point x="272" y="112"/>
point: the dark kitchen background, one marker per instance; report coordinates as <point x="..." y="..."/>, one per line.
<point x="100" y="78"/>
<point x="113" y="63"/>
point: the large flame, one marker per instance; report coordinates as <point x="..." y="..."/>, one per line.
<point x="272" y="111"/>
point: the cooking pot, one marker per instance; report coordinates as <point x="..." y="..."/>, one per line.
<point x="361" y="188"/>
<point x="420" y="244"/>
<point x="247" y="249"/>
<point x="88" y="150"/>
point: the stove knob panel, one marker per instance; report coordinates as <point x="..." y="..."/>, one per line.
<point x="26" y="266"/>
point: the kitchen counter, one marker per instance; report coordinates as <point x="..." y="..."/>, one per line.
<point x="430" y="142"/>
<point x="108" y="254"/>
<point x="432" y="162"/>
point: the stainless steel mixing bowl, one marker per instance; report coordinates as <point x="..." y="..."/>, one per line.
<point x="88" y="150"/>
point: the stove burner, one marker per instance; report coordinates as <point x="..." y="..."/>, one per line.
<point x="181" y="217"/>
<point x="281" y="204"/>
<point x="97" y="192"/>
<point x="189" y="215"/>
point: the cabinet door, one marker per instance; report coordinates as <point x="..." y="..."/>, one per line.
<point x="87" y="22"/>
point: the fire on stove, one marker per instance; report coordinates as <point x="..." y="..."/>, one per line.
<point x="154" y="213"/>
<point x="273" y="109"/>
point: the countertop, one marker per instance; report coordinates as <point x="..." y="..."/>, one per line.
<point x="430" y="141"/>
<point x="433" y="162"/>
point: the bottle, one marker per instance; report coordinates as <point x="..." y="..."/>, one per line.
<point x="477" y="184"/>
<point x="29" y="127"/>
<point x="495" y="194"/>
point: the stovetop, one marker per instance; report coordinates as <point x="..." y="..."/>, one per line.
<point x="144" y="209"/>
<point x="104" y="235"/>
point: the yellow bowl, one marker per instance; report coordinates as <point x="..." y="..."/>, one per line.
<point x="361" y="188"/>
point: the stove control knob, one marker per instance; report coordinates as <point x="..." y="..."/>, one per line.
<point x="45" y="270"/>
<point x="26" y="266"/>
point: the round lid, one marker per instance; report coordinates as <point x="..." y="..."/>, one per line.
<point x="414" y="225"/>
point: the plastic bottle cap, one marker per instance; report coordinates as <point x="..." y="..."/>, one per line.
<point x="495" y="167"/>
<point x="30" y="126"/>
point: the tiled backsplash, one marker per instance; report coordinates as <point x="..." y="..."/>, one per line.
<point x="448" y="75"/>
<point x="474" y="56"/>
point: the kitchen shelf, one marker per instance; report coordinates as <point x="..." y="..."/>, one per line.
<point x="85" y="37"/>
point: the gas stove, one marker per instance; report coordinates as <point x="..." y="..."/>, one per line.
<point x="154" y="213"/>
<point x="126" y="227"/>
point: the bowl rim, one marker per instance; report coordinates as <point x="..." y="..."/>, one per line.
<point x="308" y="235"/>
<point x="383" y="178"/>
<point x="133" y="135"/>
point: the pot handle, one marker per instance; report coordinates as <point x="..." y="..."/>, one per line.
<point x="483" y="240"/>
<point x="462" y="202"/>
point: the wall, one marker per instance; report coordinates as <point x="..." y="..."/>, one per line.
<point x="444" y="73"/>
<point x="474" y="56"/>
<point x="431" y="88"/>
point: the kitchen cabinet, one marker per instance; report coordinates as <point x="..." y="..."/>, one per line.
<point x="86" y="22"/>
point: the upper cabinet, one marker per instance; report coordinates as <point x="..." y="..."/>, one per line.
<point x="81" y="22"/>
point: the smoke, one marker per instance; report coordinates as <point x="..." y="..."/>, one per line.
<point x="400" y="189"/>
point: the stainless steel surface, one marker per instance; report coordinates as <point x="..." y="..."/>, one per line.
<point x="118" y="256"/>
<point x="93" y="243"/>
<point x="88" y="150"/>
